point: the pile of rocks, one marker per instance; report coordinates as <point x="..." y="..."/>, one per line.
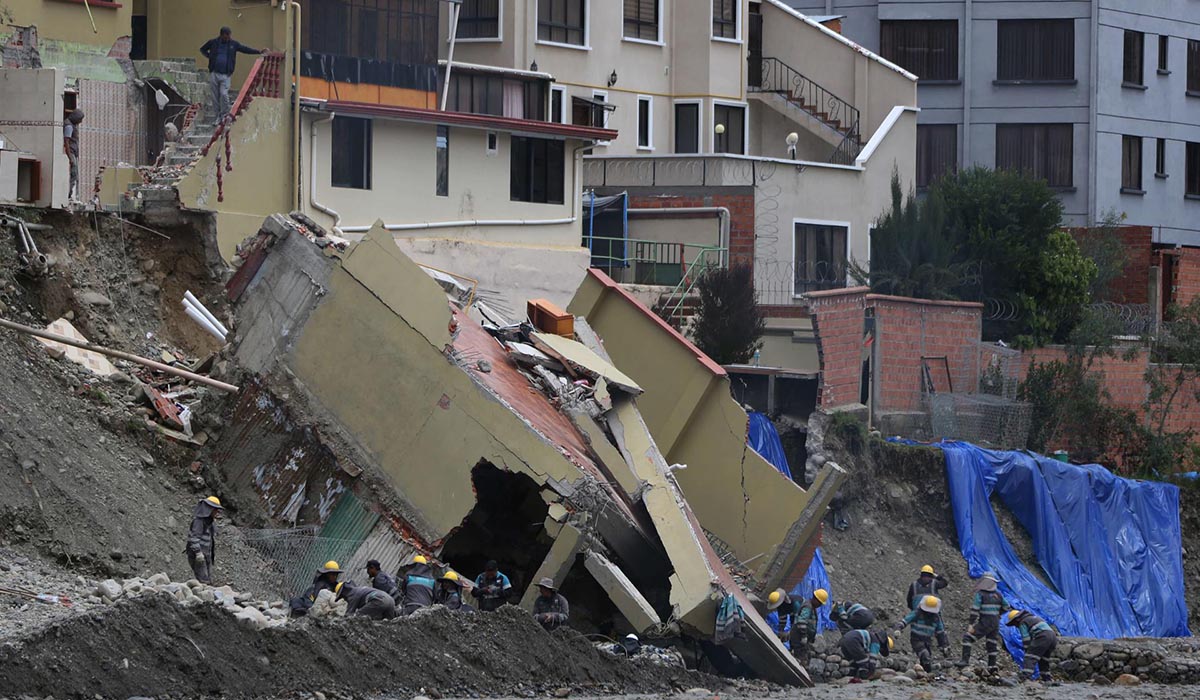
<point x="259" y="614"/>
<point x="826" y="663"/>
<point x="1156" y="660"/>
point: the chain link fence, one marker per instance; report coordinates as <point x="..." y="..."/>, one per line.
<point x="297" y="553"/>
<point x="989" y="413"/>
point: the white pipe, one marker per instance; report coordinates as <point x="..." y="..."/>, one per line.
<point x="189" y="297"/>
<point x="455" y="9"/>
<point x="199" y="318"/>
<point x="462" y="224"/>
<point x="312" y="177"/>
<point x="721" y="212"/>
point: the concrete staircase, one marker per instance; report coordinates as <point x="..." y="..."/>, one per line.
<point x="180" y="73"/>
<point x="681" y="307"/>
<point x="807" y="103"/>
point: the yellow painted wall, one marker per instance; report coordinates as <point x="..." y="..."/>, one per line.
<point x="696" y="422"/>
<point x="259" y="183"/>
<point x="68" y="21"/>
<point x="178" y="28"/>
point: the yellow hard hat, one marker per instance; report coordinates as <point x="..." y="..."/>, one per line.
<point x="420" y="559"/>
<point x="214" y="502"/>
<point x="1012" y="615"/>
<point x="931" y="603"/>
<point x="338" y="588"/>
<point x="331" y="567"/>
<point x="927" y="569"/>
<point x="821" y="595"/>
<point x="891" y="643"/>
<point x="450" y="576"/>
<point x="775" y="599"/>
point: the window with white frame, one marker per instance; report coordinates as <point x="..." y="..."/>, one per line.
<point x="645" y="122"/>
<point x="687" y="127"/>
<point x="642" y="19"/>
<point x="725" y="19"/>
<point x="729" y="129"/>
<point x="820" y="252"/>
<point x="562" y="21"/>
<point x="558" y="98"/>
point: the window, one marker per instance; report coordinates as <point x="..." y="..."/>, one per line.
<point x="641" y="20"/>
<point x="645" y="123"/>
<point x="479" y="19"/>
<point x="556" y="105"/>
<point x="1160" y="158"/>
<point x="536" y="170"/>
<point x="820" y="257"/>
<point x="1131" y="164"/>
<point x="588" y="112"/>
<point x="1164" y="49"/>
<point x="733" y="118"/>
<point x="351" y="149"/>
<point x="1043" y="151"/>
<point x="383" y="30"/>
<point x="443" y="161"/>
<point x="927" y="48"/>
<point x="1036" y="50"/>
<point x="724" y="18"/>
<point x="479" y="93"/>
<point x="493" y="143"/>
<point x="687" y="127"/>
<point x="562" y="21"/>
<point x="1192" y="170"/>
<point x="1134" y="45"/>
<point x="1193" y="67"/>
<point x="937" y="152"/>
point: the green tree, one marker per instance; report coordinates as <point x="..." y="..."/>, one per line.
<point x="1104" y="245"/>
<point x="1173" y="383"/>
<point x="729" y="325"/>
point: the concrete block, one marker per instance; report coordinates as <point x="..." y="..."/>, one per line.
<point x="621" y="591"/>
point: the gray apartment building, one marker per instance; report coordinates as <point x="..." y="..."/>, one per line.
<point x="1099" y="97"/>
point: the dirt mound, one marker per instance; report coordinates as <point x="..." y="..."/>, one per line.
<point x="153" y="646"/>
<point x="1189" y="520"/>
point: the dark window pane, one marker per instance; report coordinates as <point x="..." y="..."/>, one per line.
<point x="1193" y="66"/>
<point x="402" y="31"/>
<point x="1192" y="170"/>
<point x="556" y="106"/>
<point x="644" y="125"/>
<point x="687" y="128"/>
<point x="1134" y="44"/>
<point x="1131" y="163"/>
<point x="479" y="19"/>
<point x="937" y="152"/>
<point x="1164" y="50"/>
<point x="443" y="161"/>
<point x="734" y="120"/>
<point x="1042" y="151"/>
<point x="641" y="19"/>
<point x="820" y="257"/>
<point x="536" y="170"/>
<point x="724" y="14"/>
<point x="927" y="48"/>
<point x="561" y="21"/>
<point x="1035" y="49"/>
<point x="350" y="163"/>
<point x="1160" y="157"/>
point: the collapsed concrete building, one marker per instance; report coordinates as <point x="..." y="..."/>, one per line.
<point x="417" y="416"/>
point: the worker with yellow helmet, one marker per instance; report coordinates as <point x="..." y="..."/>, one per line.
<point x="863" y="649"/>
<point x="804" y="623"/>
<point x="926" y="623"/>
<point x="449" y="592"/>
<point x="201" y="545"/>
<point x="1038" y="639"/>
<point x="928" y="583"/>
<point x="416" y="585"/>
<point x="779" y="604"/>
<point x="326" y="579"/>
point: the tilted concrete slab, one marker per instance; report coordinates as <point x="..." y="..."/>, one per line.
<point x="579" y="355"/>
<point x="621" y="591"/>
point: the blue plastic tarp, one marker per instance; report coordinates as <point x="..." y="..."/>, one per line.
<point x="815" y="578"/>
<point x="1110" y="547"/>
<point x="764" y="439"/>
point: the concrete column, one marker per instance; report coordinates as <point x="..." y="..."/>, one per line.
<point x="557" y="562"/>
<point x="621" y="591"/>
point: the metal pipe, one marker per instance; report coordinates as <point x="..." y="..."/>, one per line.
<point x="203" y="322"/>
<point x="188" y="297"/>
<point x="119" y="355"/>
<point x="461" y="224"/>
<point x="312" y="171"/>
<point x="721" y="212"/>
<point x="297" y="191"/>
<point x="455" y="9"/>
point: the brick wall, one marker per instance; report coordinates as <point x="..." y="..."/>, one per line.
<point x="741" y="216"/>
<point x="1133" y="286"/>
<point x="838" y="324"/>
<point x="784" y="310"/>
<point x="1182" y="279"/>
<point x="908" y="330"/>
<point x="1124" y="378"/>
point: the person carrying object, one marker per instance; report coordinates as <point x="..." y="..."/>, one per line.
<point x="984" y="623"/>
<point x="1039" y="639"/>
<point x="201" y="546"/>
<point x="926" y="623"/>
<point x="325" y="580"/>
<point x="221" y="53"/>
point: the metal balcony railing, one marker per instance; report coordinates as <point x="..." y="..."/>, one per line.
<point x="774" y="76"/>
<point x="634" y="261"/>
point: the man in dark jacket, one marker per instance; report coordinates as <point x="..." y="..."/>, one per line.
<point x="985" y="622"/>
<point x="851" y="616"/>
<point x="201" y="547"/>
<point x="926" y="623"/>
<point x="222" y="61"/>
<point x="416" y="586"/>
<point x="804" y="624"/>
<point x="366" y="601"/>
<point x="449" y="592"/>
<point x="491" y="587"/>
<point x="325" y="580"/>
<point x="379" y="580"/>
<point x="71" y="148"/>
<point x="927" y="583"/>
<point x="1039" y="639"/>
<point x="551" y="610"/>
<point x="863" y="649"/>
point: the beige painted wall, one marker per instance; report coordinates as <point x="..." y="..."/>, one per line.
<point x="257" y="186"/>
<point x="769" y="130"/>
<point x="177" y="29"/>
<point x="69" y="21"/>
<point x="403" y="187"/>
<point x="36" y="96"/>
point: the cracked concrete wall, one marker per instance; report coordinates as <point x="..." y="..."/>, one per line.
<point x="736" y="494"/>
<point x="254" y="181"/>
<point x="69" y="21"/>
<point x="33" y="100"/>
